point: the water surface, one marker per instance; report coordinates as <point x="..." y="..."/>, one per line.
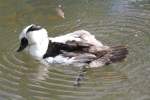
<point x="114" y="22"/>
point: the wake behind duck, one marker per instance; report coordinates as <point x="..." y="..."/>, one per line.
<point x="79" y="48"/>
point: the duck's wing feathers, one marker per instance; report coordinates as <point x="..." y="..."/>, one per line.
<point x="101" y="57"/>
<point x="56" y="48"/>
<point x="110" y="55"/>
<point x="80" y="36"/>
<point x="79" y="57"/>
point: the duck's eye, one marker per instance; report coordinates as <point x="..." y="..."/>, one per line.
<point x="23" y="44"/>
<point x="34" y="28"/>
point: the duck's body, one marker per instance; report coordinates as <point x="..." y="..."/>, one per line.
<point x="77" y="48"/>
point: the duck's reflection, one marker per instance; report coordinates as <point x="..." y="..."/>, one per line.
<point x="42" y="72"/>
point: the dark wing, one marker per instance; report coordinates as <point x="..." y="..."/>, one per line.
<point x="56" y="48"/>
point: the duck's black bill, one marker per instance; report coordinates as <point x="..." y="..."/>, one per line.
<point x="23" y="44"/>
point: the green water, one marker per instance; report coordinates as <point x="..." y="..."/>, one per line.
<point x="113" y="22"/>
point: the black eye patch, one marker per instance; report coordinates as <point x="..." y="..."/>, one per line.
<point x="23" y="44"/>
<point x="34" y="28"/>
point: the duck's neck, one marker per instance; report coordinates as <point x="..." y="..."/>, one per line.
<point x="37" y="50"/>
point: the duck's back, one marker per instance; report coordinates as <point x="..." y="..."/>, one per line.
<point x="81" y="47"/>
<point x="80" y="35"/>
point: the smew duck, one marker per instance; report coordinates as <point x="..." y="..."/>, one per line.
<point x="79" y="48"/>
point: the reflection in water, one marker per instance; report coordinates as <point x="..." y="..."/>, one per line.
<point x="42" y="73"/>
<point x="112" y="21"/>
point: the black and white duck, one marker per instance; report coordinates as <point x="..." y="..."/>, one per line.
<point x="79" y="48"/>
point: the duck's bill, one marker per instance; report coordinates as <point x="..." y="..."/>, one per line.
<point x="23" y="44"/>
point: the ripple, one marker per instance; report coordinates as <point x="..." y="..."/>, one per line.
<point x="24" y="78"/>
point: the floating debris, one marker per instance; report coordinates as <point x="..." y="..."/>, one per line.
<point x="60" y="11"/>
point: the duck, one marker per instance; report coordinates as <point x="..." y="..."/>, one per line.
<point x="78" y="48"/>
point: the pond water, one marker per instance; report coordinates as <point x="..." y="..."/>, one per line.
<point x="114" y="22"/>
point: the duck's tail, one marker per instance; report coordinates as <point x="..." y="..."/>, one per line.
<point x="117" y="53"/>
<point x="113" y="54"/>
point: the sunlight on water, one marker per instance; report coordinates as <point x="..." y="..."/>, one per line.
<point x="114" y="22"/>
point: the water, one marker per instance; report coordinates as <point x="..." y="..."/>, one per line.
<point x="114" y="22"/>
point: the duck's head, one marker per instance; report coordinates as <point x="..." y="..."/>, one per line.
<point x="31" y="35"/>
